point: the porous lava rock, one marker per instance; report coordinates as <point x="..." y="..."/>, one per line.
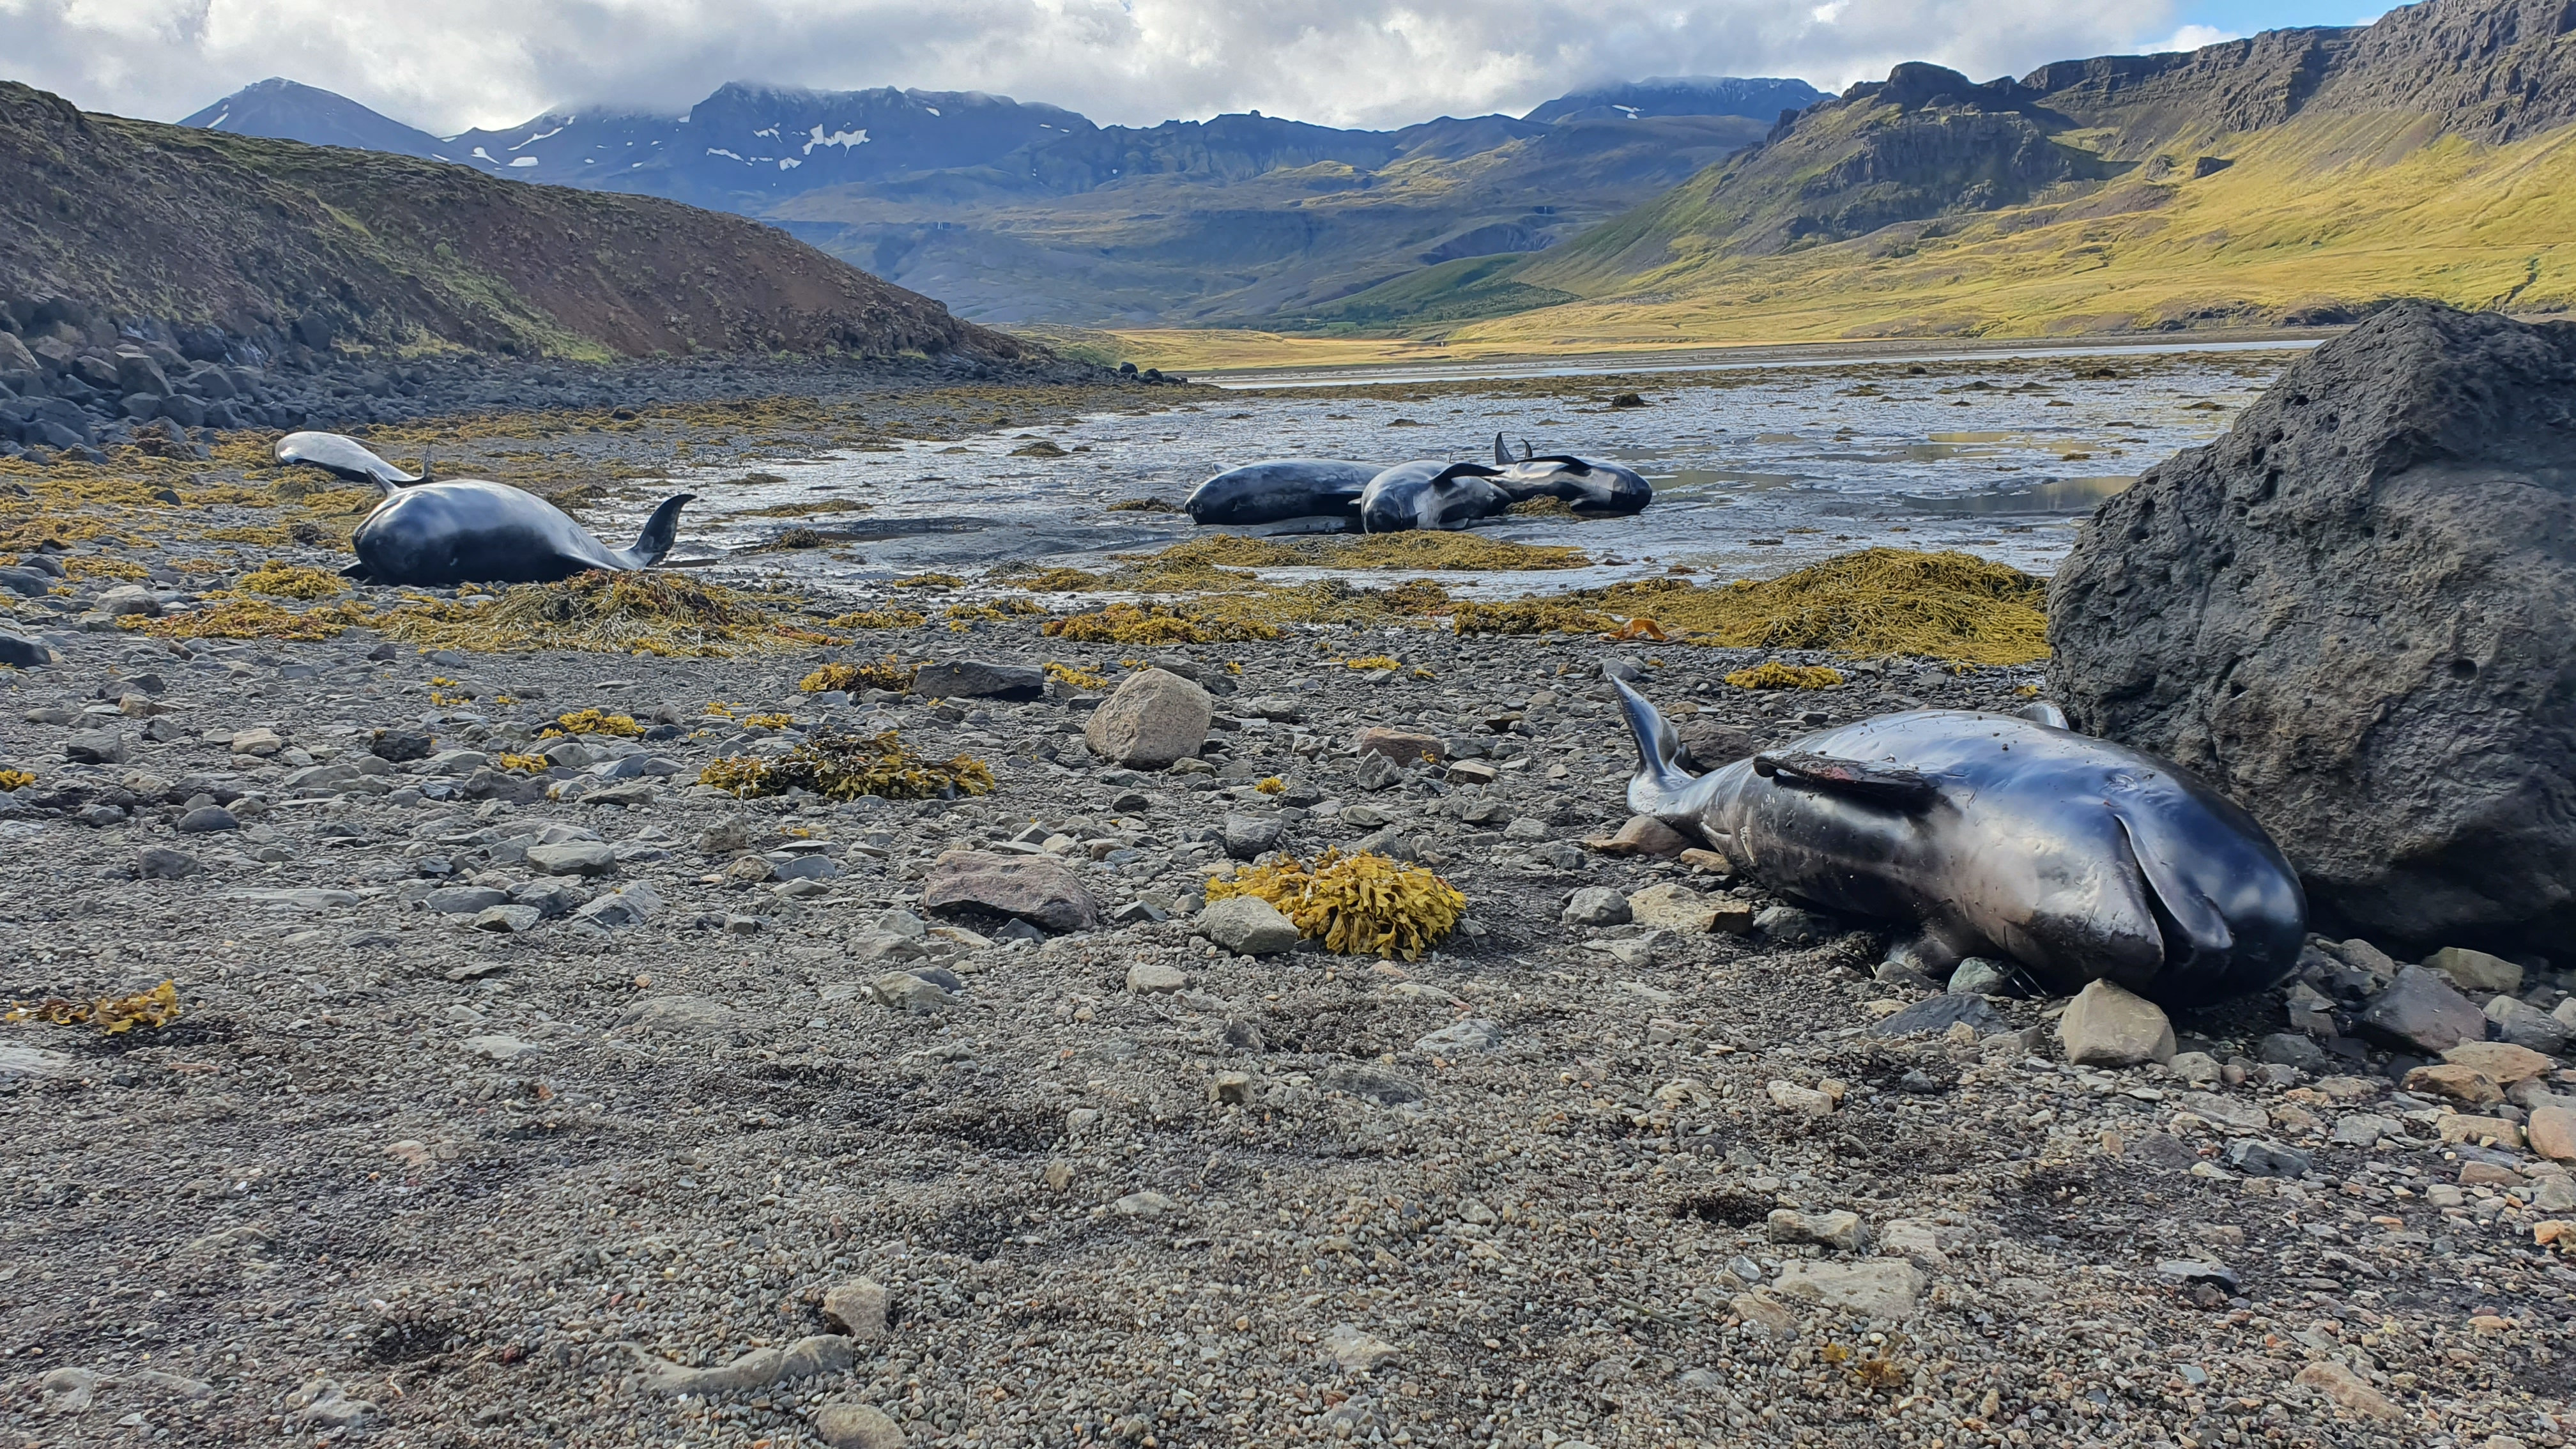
<point x="2353" y="613"/>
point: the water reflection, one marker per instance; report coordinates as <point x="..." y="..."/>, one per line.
<point x="2049" y="495"/>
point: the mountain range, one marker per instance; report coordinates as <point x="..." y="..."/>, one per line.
<point x="1013" y="211"/>
<point x="2295" y="176"/>
<point x="238" y="246"/>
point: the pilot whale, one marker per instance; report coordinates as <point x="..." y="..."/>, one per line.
<point x="1279" y="489"/>
<point x="1605" y="489"/>
<point x="467" y="531"/>
<point x="1427" y="493"/>
<point x="2000" y="835"/>
<point x="345" y="457"/>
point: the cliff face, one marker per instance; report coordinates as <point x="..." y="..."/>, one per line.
<point x="270" y="240"/>
<point x="1928" y="143"/>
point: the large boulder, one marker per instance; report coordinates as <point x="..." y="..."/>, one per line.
<point x="2356" y="614"/>
<point x="1154" y="718"/>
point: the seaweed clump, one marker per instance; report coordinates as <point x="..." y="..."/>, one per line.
<point x="1772" y="674"/>
<point x="1364" y="904"/>
<point x="1154" y="624"/>
<point x="254" y="619"/>
<point x="289" y="581"/>
<point x="847" y="766"/>
<point x="1530" y="616"/>
<point x="642" y="612"/>
<point x="888" y="673"/>
<point x="114" y="1015"/>
<point x="1419" y="549"/>
<point x="16" y="780"/>
<point x="591" y="722"/>
<point x="1949" y="605"/>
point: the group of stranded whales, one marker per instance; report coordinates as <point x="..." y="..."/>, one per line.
<point x="2001" y="835"/>
<point x="467" y="530"/>
<point x="1419" y="493"/>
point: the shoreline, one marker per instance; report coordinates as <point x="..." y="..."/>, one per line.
<point x="1731" y="358"/>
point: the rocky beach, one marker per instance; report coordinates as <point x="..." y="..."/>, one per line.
<point x="524" y="1088"/>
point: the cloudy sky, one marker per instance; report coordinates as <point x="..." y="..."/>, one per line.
<point x="447" y="66"/>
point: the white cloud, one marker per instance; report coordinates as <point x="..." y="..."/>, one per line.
<point x="2193" y="37"/>
<point x="497" y="62"/>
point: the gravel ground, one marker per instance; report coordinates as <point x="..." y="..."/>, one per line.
<point x="396" y="1179"/>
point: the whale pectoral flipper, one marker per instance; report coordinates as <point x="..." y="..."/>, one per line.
<point x="1907" y="790"/>
<point x="2193" y="927"/>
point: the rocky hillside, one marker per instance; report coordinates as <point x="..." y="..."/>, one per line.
<point x="277" y="244"/>
<point x="1019" y="212"/>
<point x="2297" y="175"/>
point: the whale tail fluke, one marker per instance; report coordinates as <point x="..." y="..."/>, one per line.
<point x="1660" y="779"/>
<point x="660" y="531"/>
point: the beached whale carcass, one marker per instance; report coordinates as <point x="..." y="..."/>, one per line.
<point x="2000" y="835"/>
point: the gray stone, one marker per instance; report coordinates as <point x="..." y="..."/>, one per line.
<point x="129" y="599"/>
<point x="401" y="746"/>
<point x="2526" y="1025"/>
<point x="160" y="862"/>
<point x="1376" y="772"/>
<point x="978" y="679"/>
<point x="2358" y="597"/>
<point x="1880" y="1289"/>
<point x="1375" y="1084"/>
<point x="807" y="867"/>
<point x="1037" y="889"/>
<point x="1975" y="975"/>
<point x="1248" y="836"/>
<point x="550" y="898"/>
<point x="1155" y="978"/>
<point x="850" y="1424"/>
<point x="1939" y="1014"/>
<point x="96" y="747"/>
<point x="464" y="900"/>
<point x="859" y="1305"/>
<point x="1827" y="1229"/>
<point x="905" y="991"/>
<point x="1154" y="718"/>
<point x="1247" y="926"/>
<point x="2256" y="1158"/>
<point x="499" y="1050"/>
<point x="573" y="857"/>
<point x="1596" y="906"/>
<point x="2109" y="1026"/>
<point x="632" y="906"/>
<point x="1473" y="1034"/>
<point x="2476" y="970"/>
<point x="20" y="652"/>
<point x="2363" y="1130"/>
<point x="1788" y="925"/>
<point x="2420" y="1012"/>
<point x="2291" y="1049"/>
<point x="206" y="819"/>
<point x="507" y="920"/>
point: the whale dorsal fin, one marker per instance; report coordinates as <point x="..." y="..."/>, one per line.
<point x="1907" y="790"/>
<point x="1525" y="449"/>
<point x="1502" y="455"/>
<point x="1455" y="472"/>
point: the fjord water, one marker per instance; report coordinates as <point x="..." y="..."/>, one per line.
<point x="1756" y="471"/>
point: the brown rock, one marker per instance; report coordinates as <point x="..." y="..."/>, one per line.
<point x="1707" y="860"/>
<point x="1154" y="718"/>
<point x="2552" y="1132"/>
<point x="1397" y="745"/>
<point x="1672" y="907"/>
<point x="2108" y="1026"/>
<point x="859" y="1306"/>
<point x="2500" y="1062"/>
<point x="2454" y="1082"/>
<point x="1642" y="835"/>
<point x="1034" y="888"/>
<point x="2347" y="1391"/>
<point x="2454" y="1128"/>
<point x="853" y="1425"/>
